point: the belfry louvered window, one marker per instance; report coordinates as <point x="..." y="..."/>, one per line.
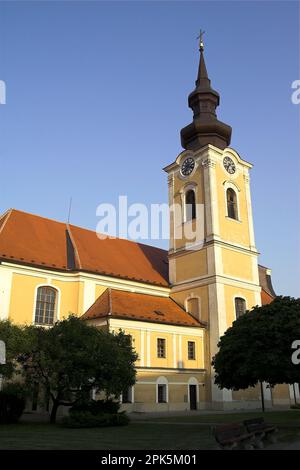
<point x="231" y="204"/>
<point x="45" y="310"/>
<point x="190" y="205"/>
<point x="240" y="307"/>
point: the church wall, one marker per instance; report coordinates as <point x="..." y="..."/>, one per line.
<point x="237" y="265"/>
<point x="235" y="231"/>
<point x="249" y="394"/>
<point x="135" y="336"/>
<point x="99" y="290"/>
<point x="201" y="293"/>
<point x="21" y="310"/>
<point x="191" y="266"/>
<point x="230" y="292"/>
<point x="145" y="390"/>
<point x="281" y="395"/>
<point x="69" y="297"/>
<point x="145" y="337"/>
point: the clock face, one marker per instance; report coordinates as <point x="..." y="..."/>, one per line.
<point x="187" y="166"/>
<point x="229" y="165"/>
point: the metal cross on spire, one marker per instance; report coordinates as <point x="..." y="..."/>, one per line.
<point x="200" y="37"/>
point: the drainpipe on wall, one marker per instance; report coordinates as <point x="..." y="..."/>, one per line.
<point x="2" y="359"/>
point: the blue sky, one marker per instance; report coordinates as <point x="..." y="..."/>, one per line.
<point x="97" y="94"/>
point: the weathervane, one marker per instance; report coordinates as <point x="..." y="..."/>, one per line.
<point x="200" y="37"/>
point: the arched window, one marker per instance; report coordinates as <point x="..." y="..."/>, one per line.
<point x="193" y="307"/>
<point x="45" y="309"/>
<point x="231" y="204"/>
<point x="190" y="205"/>
<point x="127" y="395"/>
<point x="162" y="393"/>
<point x="240" y="306"/>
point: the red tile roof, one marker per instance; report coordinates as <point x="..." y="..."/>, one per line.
<point x="41" y="242"/>
<point x="265" y="297"/>
<point x="115" y="303"/>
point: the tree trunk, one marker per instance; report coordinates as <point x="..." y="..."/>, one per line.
<point x="54" y="411"/>
<point x="262" y="397"/>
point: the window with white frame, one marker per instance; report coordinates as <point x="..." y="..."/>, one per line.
<point x="46" y="304"/>
<point x="190" y="205"/>
<point x="240" y="306"/>
<point x="161" y="348"/>
<point x="193" y="307"/>
<point x="191" y="350"/>
<point x="231" y="198"/>
<point x="161" y="393"/>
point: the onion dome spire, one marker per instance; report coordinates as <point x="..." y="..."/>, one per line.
<point x="205" y="128"/>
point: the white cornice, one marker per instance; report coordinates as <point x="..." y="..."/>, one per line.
<point x="105" y="281"/>
<point x="207" y="280"/>
<point x="156" y="327"/>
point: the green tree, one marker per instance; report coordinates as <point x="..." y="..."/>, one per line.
<point x="257" y="347"/>
<point x="71" y="358"/>
<point x="16" y="342"/>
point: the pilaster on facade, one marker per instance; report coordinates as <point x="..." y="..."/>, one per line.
<point x="217" y="327"/>
<point x="5" y="291"/>
<point x="214" y="260"/>
<point x="249" y="210"/>
<point x="142" y="355"/>
<point x="148" y="348"/>
<point x="210" y="194"/>
<point x="172" y="214"/>
<point x="89" y="294"/>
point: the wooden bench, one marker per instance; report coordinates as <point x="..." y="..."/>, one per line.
<point x="261" y="430"/>
<point x="233" y="435"/>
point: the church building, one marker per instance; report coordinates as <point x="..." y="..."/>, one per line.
<point x="175" y="304"/>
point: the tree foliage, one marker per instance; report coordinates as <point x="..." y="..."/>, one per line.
<point x="71" y="358"/>
<point x="68" y="360"/>
<point x="16" y="342"/>
<point x="257" y="347"/>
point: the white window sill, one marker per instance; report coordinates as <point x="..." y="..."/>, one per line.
<point x="233" y="220"/>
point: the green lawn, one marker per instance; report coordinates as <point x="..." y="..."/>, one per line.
<point x="135" y="436"/>
<point x="286" y="417"/>
<point x="183" y="432"/>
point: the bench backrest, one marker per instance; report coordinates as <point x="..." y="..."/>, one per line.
<point x="254" y="421"/>
<point x="228" y="431"/>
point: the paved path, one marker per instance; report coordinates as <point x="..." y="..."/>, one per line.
<point x="143" y="416"/>
<point x="284" y="446"/>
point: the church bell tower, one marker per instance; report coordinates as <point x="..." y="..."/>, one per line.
<point x="213" y="265"/>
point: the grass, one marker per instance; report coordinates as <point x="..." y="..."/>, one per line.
<point x="135" y="436"/>
<point x="286" y="417"/>
<point x="177" y="432"/>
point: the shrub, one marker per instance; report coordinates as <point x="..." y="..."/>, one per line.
<point x="85" y="419"/>
<point x="96" y="407"/>
<point x="12" y="403"/>
<point x="296" y="406"/>
<point x="118" y="419"/>
<point x="104" y="406"/>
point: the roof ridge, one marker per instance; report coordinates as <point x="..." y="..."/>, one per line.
<point x="130" y="291"/>
<point x="74" y="244"/>
<point x="186" y="311"/>
<point x="110" y="306"/>
<point x="5" y="216"/>
<point x="39" y="216"/>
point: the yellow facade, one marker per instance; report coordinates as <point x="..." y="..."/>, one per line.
<point x="212" y="274"/>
